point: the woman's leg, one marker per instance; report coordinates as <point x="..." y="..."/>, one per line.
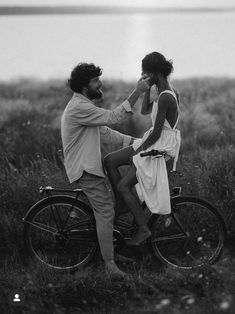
<point x="125" y="187"/>
<point x="114" y="160"/>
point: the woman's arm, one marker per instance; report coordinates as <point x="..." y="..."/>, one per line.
<point x="158" y="125"/>
<point x="147" y="105"/>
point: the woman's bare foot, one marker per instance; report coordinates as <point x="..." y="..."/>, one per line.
<point x="141" y="235"/>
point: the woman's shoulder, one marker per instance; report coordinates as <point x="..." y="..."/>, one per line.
<point x="167" y="96"/>
<point x="168" y="92"/>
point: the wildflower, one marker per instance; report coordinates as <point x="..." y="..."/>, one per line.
<point x="225" y="305"/>
<point x="165" y="302"/>
<point x="190" y="301"/>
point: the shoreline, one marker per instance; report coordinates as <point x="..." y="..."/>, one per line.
<point x="52" y="10"/>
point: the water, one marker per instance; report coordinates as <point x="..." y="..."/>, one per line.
<point x="200" y="44"/>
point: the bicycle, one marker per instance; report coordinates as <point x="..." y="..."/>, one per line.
<point x="59" y="230"/>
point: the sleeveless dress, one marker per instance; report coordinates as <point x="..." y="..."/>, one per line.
<point x="153" y="185"/>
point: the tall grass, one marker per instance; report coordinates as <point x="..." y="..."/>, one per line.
<point x="30" y="140"/>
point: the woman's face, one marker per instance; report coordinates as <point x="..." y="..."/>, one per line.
<point x="146" y="74"/>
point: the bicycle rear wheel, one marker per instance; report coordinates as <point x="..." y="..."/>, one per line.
<point x="192" y="236"/>
<point x="60" y="232"/>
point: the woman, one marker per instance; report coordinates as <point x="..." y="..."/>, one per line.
<point x="149" y="174"/>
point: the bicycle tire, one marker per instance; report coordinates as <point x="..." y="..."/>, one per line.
<point x="62" y="250"/>
<point x="204" y="236"/>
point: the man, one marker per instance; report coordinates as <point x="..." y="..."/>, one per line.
<point x="83" y="127"/>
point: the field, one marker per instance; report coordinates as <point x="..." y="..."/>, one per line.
<point x="30" y="140"/>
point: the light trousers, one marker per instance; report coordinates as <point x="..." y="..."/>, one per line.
<point x="99" y="195"/>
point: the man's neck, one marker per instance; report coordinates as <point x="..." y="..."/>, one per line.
<point x="84" y="93"/>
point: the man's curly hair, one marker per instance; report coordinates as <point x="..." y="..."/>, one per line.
<point x="81" y="76"/>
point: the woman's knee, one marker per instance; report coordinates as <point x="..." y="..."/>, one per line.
<point x="118" y="158"/>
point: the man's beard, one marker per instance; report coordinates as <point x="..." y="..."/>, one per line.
<point x="97" y="94"/>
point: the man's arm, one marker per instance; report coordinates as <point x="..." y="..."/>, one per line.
<point x="109" y="136"/>
<point x="88" y="114"/>
<point x="112" y="140"/>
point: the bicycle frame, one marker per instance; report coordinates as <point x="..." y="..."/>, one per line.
<point x="82" y="229"/>
<point x="48" y="190"/>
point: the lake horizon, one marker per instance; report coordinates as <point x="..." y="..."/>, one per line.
<point x="105" y="9"/>
<point x="47" y="47"/>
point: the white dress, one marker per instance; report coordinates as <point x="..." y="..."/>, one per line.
<point x="153" y="185"/>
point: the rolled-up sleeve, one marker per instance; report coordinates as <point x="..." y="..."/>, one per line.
<point x="89" y="114"/>
<point x="109" y="136"/>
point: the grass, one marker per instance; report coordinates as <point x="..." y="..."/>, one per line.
<point x="30" y="139"/>
<point x="151" y="289"/>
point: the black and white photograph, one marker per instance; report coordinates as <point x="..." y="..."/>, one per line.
<point x="117" y="153"/>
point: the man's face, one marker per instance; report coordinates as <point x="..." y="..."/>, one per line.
<point x="94" y="88"/>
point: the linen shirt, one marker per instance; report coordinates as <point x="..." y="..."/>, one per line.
<point x="84" y="127"/>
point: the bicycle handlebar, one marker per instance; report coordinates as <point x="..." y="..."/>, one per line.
<point x="153" y="152"/>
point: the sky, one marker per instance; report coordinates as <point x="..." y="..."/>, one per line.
<point x="146" y="3"/>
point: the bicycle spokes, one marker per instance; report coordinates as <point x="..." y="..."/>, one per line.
<point x="60" y="240"/>
<point x="59" y="221"/>
<point x="192" y="238"/>
<point x="42" y="226"/>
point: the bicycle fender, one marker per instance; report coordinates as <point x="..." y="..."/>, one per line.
<point x="57" y="198"/>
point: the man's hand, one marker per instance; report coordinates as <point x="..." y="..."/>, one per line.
<point x="141" y="87"/>
<point x="143" y="84"/>
<point x="151" y="77"/>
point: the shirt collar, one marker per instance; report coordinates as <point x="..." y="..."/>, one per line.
<point x="81" y="96"/>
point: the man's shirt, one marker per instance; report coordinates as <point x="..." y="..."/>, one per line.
<point x="83" y="127"/>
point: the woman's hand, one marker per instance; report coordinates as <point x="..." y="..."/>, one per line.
<point x="140" y="149"/>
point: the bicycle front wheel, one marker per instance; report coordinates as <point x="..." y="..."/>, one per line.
<point x="60" y="232"/>
<point x="191" y="237"/>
